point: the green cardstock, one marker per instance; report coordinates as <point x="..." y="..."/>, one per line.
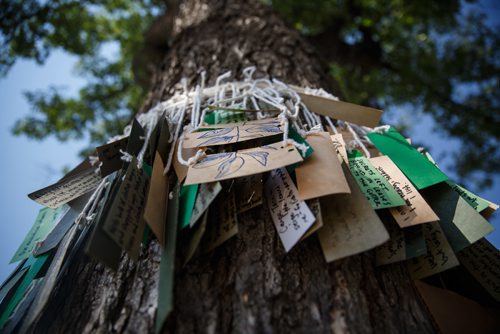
<point x="41" y="227"/>
<point x="475" y="201"/>
<point x="209" y="118"/>
<point x="166" y="281"/>
<point x="186" y="204"/>
<point x="292" y="134"/>
<point x="373" y="185"/>
<point x="147" y="169"/>
<point x="461" y="224"/>
<point x="420" y="171"/>
<point x="225" y="117"/>
<point x="21" y="290"/>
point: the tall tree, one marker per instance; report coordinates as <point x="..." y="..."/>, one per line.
<point x="248" y="284"/>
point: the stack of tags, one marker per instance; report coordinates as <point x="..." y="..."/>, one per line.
<point x="397" y="202"/>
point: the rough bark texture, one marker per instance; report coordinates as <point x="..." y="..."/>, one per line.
<point x="248" y="284"/>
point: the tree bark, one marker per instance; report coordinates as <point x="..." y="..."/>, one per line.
<point x="249" y="284"/>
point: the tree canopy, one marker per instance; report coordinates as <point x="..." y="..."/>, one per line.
<point x="439" y="57"/>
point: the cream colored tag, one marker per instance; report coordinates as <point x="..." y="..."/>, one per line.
<point x="233" y="133"/>
<point x="417" y="211"/>
<point x="339" y="144"/>
<point x="229" y="165"/>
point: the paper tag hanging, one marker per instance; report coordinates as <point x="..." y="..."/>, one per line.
<point x="339" y="144"/>
<point x="124" y="222"/>
<point x="235" y="133"/>
<point x="207" y="192"/>
<point x="439" y="256"/>
<point x="350" y="225"/>
<point x="375" y="187"/>
<point x="155" y="212"/>
<point x="416" y="211"/>
<point x="229" y="165"/>
<point x="321" y="174"/>
<point x="420" y="171"/>
<point x="482" y="260"/>
<point x="110" y="156"/>
<point x="291" y="216"/>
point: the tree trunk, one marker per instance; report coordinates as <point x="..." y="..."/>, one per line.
<point x="249" y="284"/>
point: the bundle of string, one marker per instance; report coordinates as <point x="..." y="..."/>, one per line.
<point x="186" y="110"/>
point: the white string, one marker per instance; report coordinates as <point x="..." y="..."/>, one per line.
<point x="357" y="140"/>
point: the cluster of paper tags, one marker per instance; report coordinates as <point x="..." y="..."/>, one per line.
<point x="397" y="202"/>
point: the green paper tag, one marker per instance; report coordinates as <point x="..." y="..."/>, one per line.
<point x="293" y="134"/>
<point x="224" y="117"/>
<point x="41" y="227"/>
<point x="37" y="264"/>
<point x="166" y="282"/>
<point x="420" y="171"/>
<point x="209" y="118"/>
<point x="475" y="201"/>
<point x="373" y="185"/>
<point x="186" y="204"/>
<point x="147" y="168"/>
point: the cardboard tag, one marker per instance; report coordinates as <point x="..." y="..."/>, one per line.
<point x="124" y="222"/>
<point x="223" y="221"/>
<point x="187" y="200"/>
<point x="339" y="145"/>
<point x="482" y="260"/>
<point x="294" y="135"/>
<point x="475" y="201"/>
<point x="439" y="257"/>
<point x="136" y="138"/>
<point x="110" y="156"/>
<point x="420" y="171"/>
<point x="315" y="207"/>
<point x="166" y="281"/>
<point x="228" y="165"/>
<point x="249" y="194"/>
<point x="207" y="192"/>
<point x="350" y="225"/>
<point x="196" y="237"/>
<point x="82" y="166"/>
<point x="416" y="211"/>
<point x="235" y="133"/>
<point x="375" y="187"/>
<point x="67" y="189"/>
<point x="62" y="226"/>
<point x="455" y="314"/>
<point x="321" y="174"/>
<point x="155" y="213"/>
<point x="461" y="224"/>
<point x="41" y="227"/>
<point x="291" y="216"/>
<point x="159" y="141"/>
<point x="340" y="110"/>
<point x="100" y="246"/>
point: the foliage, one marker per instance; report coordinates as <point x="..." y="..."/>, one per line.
<point x="436" y="56"/>
<point x="439" y="57"/>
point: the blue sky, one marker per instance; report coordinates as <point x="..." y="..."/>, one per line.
<point x="28" y="165"/>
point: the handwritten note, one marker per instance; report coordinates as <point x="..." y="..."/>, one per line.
<point x="350" y="225"/>
<point x="155" y="213"/>
<point x="291" y="216"/>
<point x="461" y="224"/>
<point x="110" y="156"/>
<point x="229" y="165"/>
<point x="67" y="189"/>
<point x="315" y="207"/>
<point x="482" y="260"/>
<point x="321" y="174"/>
<point x="375" y="187"/>
<point x="223" y="222"/>
<point x="124" y="222"/>
<point x="207" y="192"/>
<point x="416" y="211"/>
<point x="41" y="227"/>
<point x="249" y="194"/>
<point x="439" y="257"/>
<point x="235" y="133"/>
<point x="475" y="201"/>
<point x="339" y="145"/>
